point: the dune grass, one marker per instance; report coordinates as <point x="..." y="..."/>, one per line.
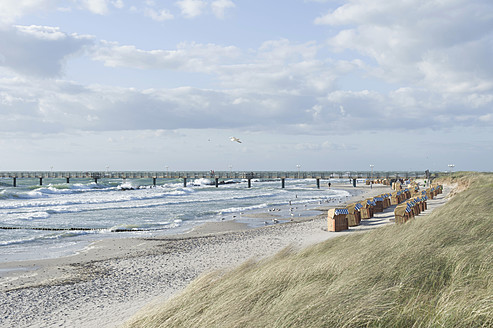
<point x="434" y="271"/>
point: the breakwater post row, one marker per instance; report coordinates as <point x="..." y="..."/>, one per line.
<point x="224" y="176"/>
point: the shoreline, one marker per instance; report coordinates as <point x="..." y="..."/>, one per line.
<point x="75" y="245"/>
<point x="113" y="278"/>
<point x="47" y="245"/>
<point x="201" y="229"/>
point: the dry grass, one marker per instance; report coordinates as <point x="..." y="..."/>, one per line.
<point x="434" y="271"/>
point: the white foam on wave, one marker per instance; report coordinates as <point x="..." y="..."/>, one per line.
<point x="128" y="185"/>
<point x="180" y="191"/>
<point x="241" y="209"/>
<point x="115" y="203"/>
<point x="8" y="194"/>
<point x="45" y="192"/>
<point x="48" y="235"/>
<point x="84" y="186"/>
<point x="150" y="226"/>
<point x="19" y="241"/>
<point x="71" y="188"/>
<point x="80" y="200"/>
<point x="36" y="198"/>
<point x="62" y="210"/>
<point x="31" y="195"/>
<point x="26" y="216"/>
<point x="37" y="216"/>
<point x="202" y="182"/>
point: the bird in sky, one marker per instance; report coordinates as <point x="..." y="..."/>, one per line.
<point x="235" y="139"/>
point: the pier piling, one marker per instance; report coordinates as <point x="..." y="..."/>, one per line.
<point x="282" y="182"/>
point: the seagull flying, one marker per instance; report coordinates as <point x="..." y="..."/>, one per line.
<point x="235" y="139"/>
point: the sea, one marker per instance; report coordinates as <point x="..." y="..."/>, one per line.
<point x="59" y="219"/>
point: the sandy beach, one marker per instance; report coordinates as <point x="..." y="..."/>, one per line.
<point x="110" y="280"/>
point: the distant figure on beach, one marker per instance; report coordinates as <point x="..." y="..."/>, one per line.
<point x="329" y="184"/>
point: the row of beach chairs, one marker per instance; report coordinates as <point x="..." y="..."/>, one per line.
<point x="416" y="204"/>
<point x="409" y="203"/>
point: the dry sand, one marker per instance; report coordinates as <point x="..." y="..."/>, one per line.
<point x="109" y="281"/>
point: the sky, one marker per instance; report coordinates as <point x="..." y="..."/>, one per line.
<point x="330" y="85"/>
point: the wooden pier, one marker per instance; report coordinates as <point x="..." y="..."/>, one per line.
<point x="219" y="177"/>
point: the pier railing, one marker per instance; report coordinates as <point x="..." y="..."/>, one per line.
<point x="210" y="174"/>
<point x="216" y="176"/>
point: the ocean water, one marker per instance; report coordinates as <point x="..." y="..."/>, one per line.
<point x="59" y="218"/>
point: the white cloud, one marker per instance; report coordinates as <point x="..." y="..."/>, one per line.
<point x="420" y="42"/>
<point x="191" y="8"/>
<point x="186" y="57"/>
<point x="42" y="32"/>
<point x="158" y="15"/>
<point x="56" y="106"/>
<point x="61" y="106"/>
<point x="486" y="118"/>
<point x="118" y="4"/>
<point x="220" y="6"/>
<point x="38" y="50"/>
<point x="281" y="67"/>
<point x="283" y="50"/>
<point x="99" y="7"/>
<point x="11" y="10"/>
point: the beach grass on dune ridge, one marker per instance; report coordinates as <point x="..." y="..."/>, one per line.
<point x="434" y="271"/>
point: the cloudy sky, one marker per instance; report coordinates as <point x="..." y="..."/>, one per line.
<point x="325" y="84"/>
